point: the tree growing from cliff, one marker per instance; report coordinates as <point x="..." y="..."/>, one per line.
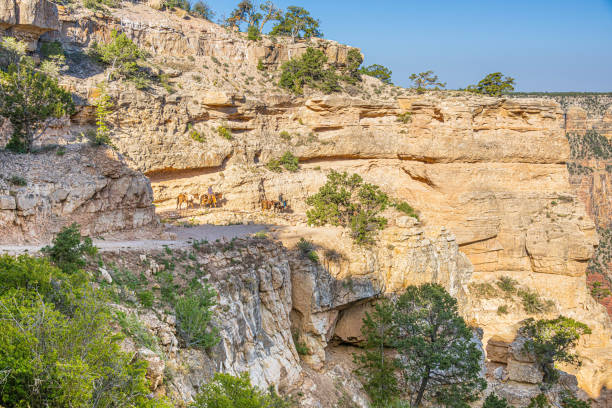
<point x="351" y="73"/>
<point x="494" y="84"/>
<point x="424" y="81"/>
<point x="309" y="70"/>
<point x="202" y="9"/>
<point x="440" y="361"/>
<point x="31" y="100"/>
<point x="377" y="71"/>
<point x="553" y="341"/>
<point x="349" y="202"/>
<point x="103" y="109"/>
<point x="120" y="54"/>
<point x="297" y="23"/>
<point x="375" y="365"/>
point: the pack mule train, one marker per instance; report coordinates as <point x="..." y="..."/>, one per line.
<point x="203" y="200"/>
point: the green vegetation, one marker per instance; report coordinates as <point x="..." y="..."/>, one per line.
<point x="507" y="284"/>
<point x="406" y="209"/>
<point x="378" y="71"/>
<point x="552" y="341"/>
<point x="133" y="327"/>
<point x="309" y="70"/>
<point x="405" y="117"/>
<point x="539" y="401"/>
<point x="203" y="10"/>
<point x="297" y="23"/>
<point x="300" y="346"/>
<point x="569" y="401"/>
<point x="351" y="73"/>
<point x="194" y="316"/>
<point x="287" y="160"/>
<point x="180" y="4"/>
<point x="100" y="5"/>
<point x="599" y="291"/>
<point x="375" y="365"/>
<point x="52" y="58"/>
<point x="285" y="135"/>
<point x="224" y="133"/>
<point x="146" y="298"/>
<point x="424" y="81"/>
<point x="260" y="65"/>
<point x="227" y="391"/>
<point x="349" y="202"/>
<point x="195" y="135"/>
<point x="493" y="401"/>
<point x="305" y="246"/>
<point x="69" y="249"/>
<point x="29" y="98"/>
<point x="483" y="290"/>
<point x="121" y="56"/>
<point x="494" y="84"/>
<point x="18" y="181"/>
<point x="58" y="346"/>
<point x="103" y="109"/>
<point x="502" y="310"/>
<point x="591" y="145"/>
<point x="437" y="360"/>
<point x="253" y="33"/>
<point x="533" y="303"/>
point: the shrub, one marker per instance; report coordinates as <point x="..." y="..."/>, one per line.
<point x="569" y="401"/>
<point x="539" y="401"/>
<point x="552" y="341"/>
<point x="533" y="303"/>
<point x="194" y="318"/>
<point x="349" y="202"/>
<point x="18" y="181"/>
<point x="69" y="248"/>
<point x="224" y="132"/>
<point x="58" y="346"/>
<point x="507" y="284"/>
<point x="300" y="346"/>
<point x="378" y="71"/>
<point x="309" y="70"/>
<point x="195" y="135"/>
<point x="285" y="135"/>
<point x="227" y="391"/>
<point x="313" y="256"/>
<point x="405" y="117"/>
<point x="103" y="107"/>
<point x="351" y="72"/>
<point x="502" y="310"/>
<point x="146" y="298"/>
<point x="305" y="246"/>
<point x="289" y="162"/>
<point x="100" y="5"/>
<point x="406" y="209"/>
<point x="133" y="327"/>
<point x="202" y="9"/>
<point x="484" y="290"/>
<point x="260" y="65"/>
<point x="493" y="401"/>
<point x="274" y="165"/>
<point x="253" y="33"/>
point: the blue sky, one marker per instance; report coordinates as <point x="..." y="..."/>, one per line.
<point x="545" y="45"/>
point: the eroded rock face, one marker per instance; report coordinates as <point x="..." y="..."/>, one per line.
<point x="41" y="193"/>
<point x="27" y="20"/>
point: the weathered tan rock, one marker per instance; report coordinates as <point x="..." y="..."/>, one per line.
<point x="92" y="187"/>
<point x="28" y="19"/>
<point x="155" y="367"/>
<point x="524" y="372"/>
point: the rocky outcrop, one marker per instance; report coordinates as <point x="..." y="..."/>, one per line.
<point x="27" y="20"/>
<point x="41" y="193"/>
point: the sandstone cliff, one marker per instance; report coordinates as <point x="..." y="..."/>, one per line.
<point x="41" y="193"/>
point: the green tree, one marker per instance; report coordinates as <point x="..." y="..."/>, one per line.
<point x="552" y="341"/>
<point x="493" y="401"/>
<point x="202" y="9"/>
<point x="103" y="109"/>
<point x="227" y="391"/>
<point x="375" y="366"/>
<point x="121" y="55"/>
<point x="245" y="12"/>
<point x="11" y="52"/>
<point x="58" y="346"/>
<point x="441" y="362"/>
<point x="309" y="70"/>
<point x="354" y="59"/>
<point x="378" y="71"/>
<point x="297" y="23"/>
<point x="269" y="12"/>
<point x="539" y="401"/>
<point x="426" y="80"/>
<point x="494" y="84"/>
<point x="69" y="249"/>
<point x="349" y="202"/>
<point x="30" y="100"/>
<point x="194" y="318"/>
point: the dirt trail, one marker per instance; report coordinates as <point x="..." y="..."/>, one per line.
<point x="184" y="237"/>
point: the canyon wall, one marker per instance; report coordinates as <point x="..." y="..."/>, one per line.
<point x="44" y="192"/>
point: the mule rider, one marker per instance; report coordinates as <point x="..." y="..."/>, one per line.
<point x="282" y="201"/>
<point x="211" y="196"/>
